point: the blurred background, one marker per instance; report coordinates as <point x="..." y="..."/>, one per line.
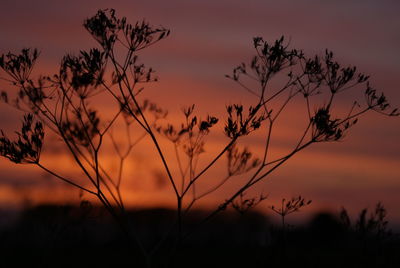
<point x="208" y="39"/>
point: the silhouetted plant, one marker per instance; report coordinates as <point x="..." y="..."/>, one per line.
<point x="242" y="205"/>
<point x="29" y="145"/>
<point x="61" y="102"/>
<point x="288" y="207"/>
<point x="374" y="226"/>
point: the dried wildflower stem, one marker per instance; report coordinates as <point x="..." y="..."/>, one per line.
<point x="61" y="103"/>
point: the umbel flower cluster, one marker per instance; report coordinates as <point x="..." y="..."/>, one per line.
<point x="61" y="104"/>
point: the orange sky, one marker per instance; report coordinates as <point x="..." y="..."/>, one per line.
<point x="208" y="39"/>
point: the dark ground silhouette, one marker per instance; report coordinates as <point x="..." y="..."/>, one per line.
<point x="68" y="236"/>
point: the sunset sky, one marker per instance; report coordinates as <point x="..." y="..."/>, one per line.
<point x="208" y="39"/>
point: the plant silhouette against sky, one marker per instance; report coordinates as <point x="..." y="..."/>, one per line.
<point x="60" y="104"/>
